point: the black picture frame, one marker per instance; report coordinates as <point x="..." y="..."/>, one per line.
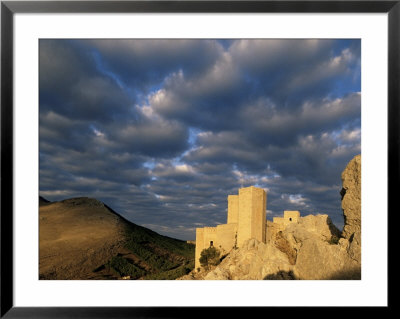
<point x="9" y="8"/>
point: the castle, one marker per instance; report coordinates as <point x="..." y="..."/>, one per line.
<point x="246" y="219"/>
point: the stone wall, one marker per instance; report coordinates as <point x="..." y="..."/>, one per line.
<point x="233" y="209"/>
<point x="226" y="237"/>
<point x="210" y="236"/>
<point x="199" y="246"/>
<point x="279" y="222"/>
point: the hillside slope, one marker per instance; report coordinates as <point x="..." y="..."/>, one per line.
<point x="82" y="238"/>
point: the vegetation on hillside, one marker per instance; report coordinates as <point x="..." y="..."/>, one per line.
<point x="166" y="258"/>
<point x="124" y="268"/>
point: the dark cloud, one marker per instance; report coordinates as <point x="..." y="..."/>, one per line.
<point x="143" y="64"/>
<point x="164" y="130"/>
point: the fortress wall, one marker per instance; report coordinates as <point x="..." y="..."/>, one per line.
<point x="210" y="234"/>
<point x="279" y="220"/>
<point x="233" y="209"/>
<point x="226" y="237"/>
<point x="199" y="246"/>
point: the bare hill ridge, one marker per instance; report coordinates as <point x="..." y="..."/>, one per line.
<point x="82" y="238"/>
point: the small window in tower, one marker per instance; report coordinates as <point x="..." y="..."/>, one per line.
<point x="290" y="219"/>
<point x="211" y="243"/>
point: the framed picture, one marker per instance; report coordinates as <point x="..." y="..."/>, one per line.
<point x="188" y="117"/>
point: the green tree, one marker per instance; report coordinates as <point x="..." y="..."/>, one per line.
<point x="209" y="257"/>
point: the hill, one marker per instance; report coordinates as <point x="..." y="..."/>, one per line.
<point x="82" y="238"/>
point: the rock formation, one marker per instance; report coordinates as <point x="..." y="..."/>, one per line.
<point x="254" y="260"/>
<point x="319" y="256"/>
<point x="351" y="205"/>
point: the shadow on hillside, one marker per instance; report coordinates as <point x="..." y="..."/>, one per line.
<point x="281" y="275"/>
<point x="350" y="274"/>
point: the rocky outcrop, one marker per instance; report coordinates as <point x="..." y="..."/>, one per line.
<point x="254" y="260"/>
<point x="311" y="227"/>
<point x="272" y="230"/>
<point x="351" y="205"/>
<point x="317" y="259"/>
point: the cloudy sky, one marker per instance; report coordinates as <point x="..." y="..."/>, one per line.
<point x="163" y="130"/>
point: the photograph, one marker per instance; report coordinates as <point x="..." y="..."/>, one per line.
<point x="161" y="159"/>
<point x="199" y="159"/>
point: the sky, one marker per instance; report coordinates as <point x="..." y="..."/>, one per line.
<point x="163" y="130"/>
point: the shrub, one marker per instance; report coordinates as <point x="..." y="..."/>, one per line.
<point x="171" y="274"/>
<point x="209" y="257"/>
<point x="124" y="268"/>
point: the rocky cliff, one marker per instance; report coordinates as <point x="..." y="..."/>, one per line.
<point x="351" y="205"/>
<point x="313" y="248"/>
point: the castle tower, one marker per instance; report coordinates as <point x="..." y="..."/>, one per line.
<point x="291" y="216"/>
<point x="233" y="209"/>
<point x="252" y="214"/>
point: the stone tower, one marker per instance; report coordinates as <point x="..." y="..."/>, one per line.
<point x="252" y="214"/>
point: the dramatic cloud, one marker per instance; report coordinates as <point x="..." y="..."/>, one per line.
<point x="163" y="131"/>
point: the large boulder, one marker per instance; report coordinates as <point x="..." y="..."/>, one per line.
<point x="318" y="259"/>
